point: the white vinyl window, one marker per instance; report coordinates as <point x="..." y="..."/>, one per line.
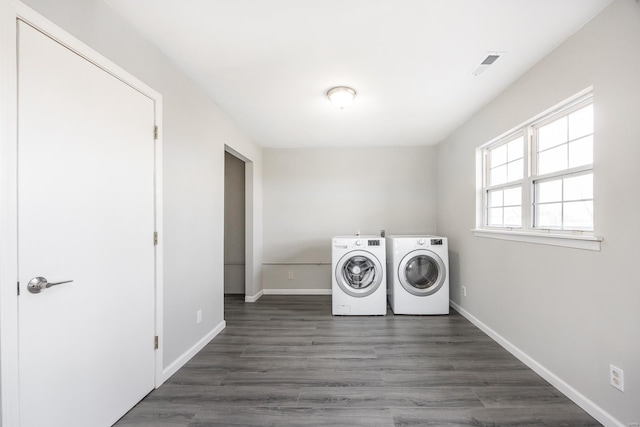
<point x="539" y="178"/>
<point x="505" y="173"/>
<point x="563" y="178"/>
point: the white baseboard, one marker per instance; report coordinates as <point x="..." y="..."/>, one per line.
<point x="581" y="400"/>
<point x="253" y="298"/>
<point x="297" y="291"/>
<point x="187" y="355"/>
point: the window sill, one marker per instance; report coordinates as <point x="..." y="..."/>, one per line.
<point x="589" y="243"/>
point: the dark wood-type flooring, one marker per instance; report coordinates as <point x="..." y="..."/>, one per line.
<point x="286" y="361"/>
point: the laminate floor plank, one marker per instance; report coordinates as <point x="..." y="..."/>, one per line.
<point x="379" y="364"/>
<point x="255" y="395"/>
<point x="198" y="375"/>
<point x="328" y="351"/>
<point x="556" y="416"/>
<point x="456" y="378"/>
<point x="161" y="414"/>
<point x="294" y="417"/>
<point x="387" y="397"/>
<point x="519" y="397"/>
<point x="249" y="364"/>
<point x="286" y="361"/>
<point x="306" y="378"/>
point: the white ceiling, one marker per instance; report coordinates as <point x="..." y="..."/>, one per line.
<point x="268" y="64"/>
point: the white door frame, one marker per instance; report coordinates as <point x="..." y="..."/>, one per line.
<point x="10" y="11"/>
<point x="249" y="282"/>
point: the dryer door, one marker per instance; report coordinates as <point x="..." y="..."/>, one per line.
<point x="359" y="273"/>
<point x="422" y="272"/>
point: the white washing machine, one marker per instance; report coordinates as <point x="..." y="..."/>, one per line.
<point x="418" y="274"/>
<point x="359" y="285"/>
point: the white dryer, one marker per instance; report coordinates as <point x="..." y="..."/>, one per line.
<point x="418" y="274"/>
<point x="359" y="285"/>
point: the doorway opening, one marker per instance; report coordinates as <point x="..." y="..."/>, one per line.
<point x="234" y="225"/>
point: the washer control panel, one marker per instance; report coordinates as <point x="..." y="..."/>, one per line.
<point x="375" y="243"/>
<point x="428" y="242"/>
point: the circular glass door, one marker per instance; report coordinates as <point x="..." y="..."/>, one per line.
<point x="359" y="273"/>
<point x="421" y="273"/>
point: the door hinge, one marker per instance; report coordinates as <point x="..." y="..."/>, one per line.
<point x="155" y="238"/>
<point x="18" y="288"/>
<point x="155" y="342"/>
<point x="155" y="133"/>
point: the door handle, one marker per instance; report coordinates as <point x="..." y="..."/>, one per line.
<point x="39" y="284"/>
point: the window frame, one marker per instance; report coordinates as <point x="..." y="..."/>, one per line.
<point x="528" y="231"/>
<point x="486" y="170"/>
<point x="560" y="174"/>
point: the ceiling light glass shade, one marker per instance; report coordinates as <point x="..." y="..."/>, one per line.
<point x="341" y="96"/>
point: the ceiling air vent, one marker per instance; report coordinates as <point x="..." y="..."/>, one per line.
<point x="486" y="62"/>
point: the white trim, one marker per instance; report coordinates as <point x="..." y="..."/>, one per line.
<point x="9" y="365"/>
<point x="187" y="355"/>
<point x="10" y="11"/>
<point x="297" y="291"/>
<point x="159" y="211"/>
<point x="589" y="243"/>
<point x="581" y="400"/>
<point x="253" y="298"/>
<point x="249" y="214"/>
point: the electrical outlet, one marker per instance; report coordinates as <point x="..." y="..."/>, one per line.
<point x="198" y="317"/>
<point x="464" y="291"/>
<point x="616" y="377"/>
<point x="291" y="275"/>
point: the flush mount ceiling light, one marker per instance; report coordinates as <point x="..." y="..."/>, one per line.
<point x="341" y="96"/>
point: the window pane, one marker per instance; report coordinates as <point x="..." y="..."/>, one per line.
<point x="513" y="196"/>
<point x="581" y="152"/>
<point x="513" y="216"/>
<point x="578" y="215"/>
<point x="495" y="217"/>
<point x="552" y="160"/>
<point x="514" y="149"/>
<point x="578" y="187"/>
<point x="581" y="122"/>
<point x="549" y="191"/>
<point x="498" y="156"/>
<point x="495" y="198"/>
<point x="553" y="134"/>
<point x="515" y="170"/>
<point x="498" y="175"/>
<point x="549" y="216"/>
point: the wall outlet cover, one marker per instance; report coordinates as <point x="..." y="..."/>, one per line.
<point x="616" y="377"/>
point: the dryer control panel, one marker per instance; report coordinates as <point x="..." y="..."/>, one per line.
<point x="436" y="242"/>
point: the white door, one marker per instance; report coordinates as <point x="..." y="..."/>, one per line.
<point x="86" y="214"/>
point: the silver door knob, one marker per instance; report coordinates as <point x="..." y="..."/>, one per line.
<point x="39" y="284"/>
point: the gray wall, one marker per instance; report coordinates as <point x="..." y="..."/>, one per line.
<point x="234" y="228"/>
<point x="195" y="132"/>
<point x="572" y="311"/>
<point x="312" y="195"/>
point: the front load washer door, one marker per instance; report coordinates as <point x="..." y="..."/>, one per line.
<point x="359" y="273"/>
<point x="421" y="273"/>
